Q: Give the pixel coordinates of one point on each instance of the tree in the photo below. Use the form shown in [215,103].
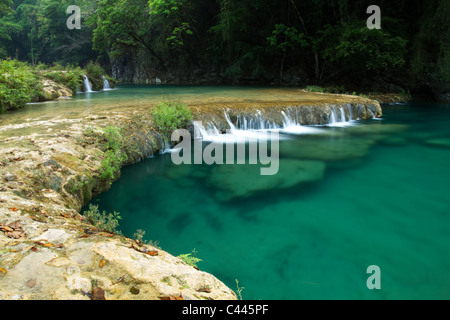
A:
[124,26]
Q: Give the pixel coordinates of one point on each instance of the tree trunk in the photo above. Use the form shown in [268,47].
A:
[316,57]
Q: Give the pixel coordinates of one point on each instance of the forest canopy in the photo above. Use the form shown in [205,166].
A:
[312,41]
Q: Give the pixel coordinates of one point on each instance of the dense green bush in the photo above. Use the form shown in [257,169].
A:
[114,157]
[18,85]
[170,116]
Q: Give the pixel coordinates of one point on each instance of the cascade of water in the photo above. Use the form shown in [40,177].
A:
[333,118]
[106,85]
[350,112]
[87,84]
[232,126]
[293,127]
[343,119]
[200,132]
[338,116]
[253,122]
[373,115]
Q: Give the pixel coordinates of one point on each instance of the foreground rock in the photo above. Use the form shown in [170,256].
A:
[48,170]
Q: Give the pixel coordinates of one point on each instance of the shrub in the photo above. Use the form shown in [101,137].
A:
[104,221]
[315,89]
[113,154]
[69,76]
[170,116]
[18,85]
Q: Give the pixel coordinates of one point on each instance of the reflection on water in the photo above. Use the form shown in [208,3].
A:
[375,193]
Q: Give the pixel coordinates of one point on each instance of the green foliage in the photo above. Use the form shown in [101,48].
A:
[238,39]
[190,258]
[170,116]
[285,38]
[105,221]
[139,237]
[68,76]
[5,6]
[315,89]
[357,49]
[164,6]
[18,85]
[114,157]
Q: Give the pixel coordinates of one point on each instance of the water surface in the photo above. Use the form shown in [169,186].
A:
[373,193]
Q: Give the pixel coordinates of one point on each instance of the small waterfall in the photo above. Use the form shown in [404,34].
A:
[232,126]
[106,85]
[293,127]
[253,122]
[343,119]
[87,84]
[350,111]
[338,116]
[208,133]
[333,118]
[373,115]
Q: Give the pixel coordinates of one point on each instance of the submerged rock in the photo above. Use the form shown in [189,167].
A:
[242,181]
[332,150]
[438,142]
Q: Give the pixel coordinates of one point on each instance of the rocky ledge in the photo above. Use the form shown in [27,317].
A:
[49,168]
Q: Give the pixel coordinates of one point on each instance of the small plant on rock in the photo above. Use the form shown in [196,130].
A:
[170,116]
[191,258]
[104,221]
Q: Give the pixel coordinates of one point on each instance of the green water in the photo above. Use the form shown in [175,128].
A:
[376,193]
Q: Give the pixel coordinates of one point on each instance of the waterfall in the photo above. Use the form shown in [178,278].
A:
[106,85]
[343,119]
[333,118]
[286,121]
[208,133]
[373,115]
[338,116]
[350,111]
[87,84]
[251,122]
[293,127]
